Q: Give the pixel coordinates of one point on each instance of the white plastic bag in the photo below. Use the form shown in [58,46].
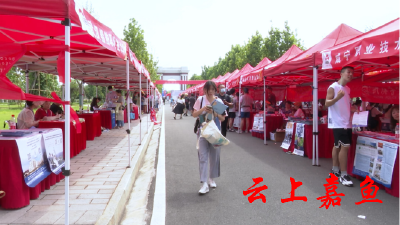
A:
[211,133]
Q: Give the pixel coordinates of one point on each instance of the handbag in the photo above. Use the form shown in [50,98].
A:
[211,133]
[197,123]
[132,116]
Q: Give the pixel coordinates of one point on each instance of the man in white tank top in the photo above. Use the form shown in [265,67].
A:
[339,106]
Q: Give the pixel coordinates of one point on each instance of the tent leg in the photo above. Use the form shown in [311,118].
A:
[96,91]
[265,123]
[240,110]
[148,105]
[140,108]
[128,110]
[67,24]
[315,117]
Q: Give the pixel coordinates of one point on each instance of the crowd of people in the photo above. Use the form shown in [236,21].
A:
[338,107]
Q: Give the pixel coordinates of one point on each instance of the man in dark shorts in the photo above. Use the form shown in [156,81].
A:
[228,102]
[186,104]
[338,102]
[232,111]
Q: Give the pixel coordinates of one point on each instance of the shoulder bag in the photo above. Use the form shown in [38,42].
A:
[197,123]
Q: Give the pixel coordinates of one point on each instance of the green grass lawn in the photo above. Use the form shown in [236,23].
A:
[7,110]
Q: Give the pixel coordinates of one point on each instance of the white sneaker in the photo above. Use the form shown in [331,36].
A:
[212,183]
[239,131]
[204,188]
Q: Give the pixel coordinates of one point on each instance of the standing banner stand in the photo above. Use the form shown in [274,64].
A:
[66,171]
[315,117]
[128,111]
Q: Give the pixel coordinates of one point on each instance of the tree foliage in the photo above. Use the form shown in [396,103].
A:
[273,46]
[134,36]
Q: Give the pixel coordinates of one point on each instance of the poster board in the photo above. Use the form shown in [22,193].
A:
[375,158]
[288,135]
[299,140]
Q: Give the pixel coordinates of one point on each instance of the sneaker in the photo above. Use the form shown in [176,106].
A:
[239,131]
[247,132]
[212,183]
[204,188]
[336,174]
[346,181]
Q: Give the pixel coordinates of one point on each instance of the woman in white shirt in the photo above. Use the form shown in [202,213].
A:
[26,118]
[207,152]
[299,111]
[179,106]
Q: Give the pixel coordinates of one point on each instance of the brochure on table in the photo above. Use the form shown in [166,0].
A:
[288,135]
[299,140]
[375,158]
[40,154]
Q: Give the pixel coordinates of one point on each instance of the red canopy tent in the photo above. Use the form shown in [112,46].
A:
[235,79]
[46,34]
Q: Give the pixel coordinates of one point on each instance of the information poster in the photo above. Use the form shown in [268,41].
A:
[376,159]
[299,140]
[53,142]
[32,155]
[288,135]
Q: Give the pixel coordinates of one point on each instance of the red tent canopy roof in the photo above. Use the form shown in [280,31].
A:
[341,34]
[233,81]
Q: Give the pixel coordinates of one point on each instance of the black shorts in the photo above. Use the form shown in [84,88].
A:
[342,137]
[232,115]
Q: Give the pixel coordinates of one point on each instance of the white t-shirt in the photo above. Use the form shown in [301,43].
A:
[339,113]
[180,101]
[145,101]
[234,101]
[299,113]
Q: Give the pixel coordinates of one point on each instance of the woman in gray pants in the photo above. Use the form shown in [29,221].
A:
[207,153]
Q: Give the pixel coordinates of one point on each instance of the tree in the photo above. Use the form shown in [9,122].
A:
[273,46]
[134,35]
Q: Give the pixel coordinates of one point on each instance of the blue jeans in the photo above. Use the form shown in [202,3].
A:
[120,123]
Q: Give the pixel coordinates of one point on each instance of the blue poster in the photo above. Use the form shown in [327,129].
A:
[34,162]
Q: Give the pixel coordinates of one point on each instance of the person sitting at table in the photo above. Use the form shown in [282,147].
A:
[269,108]
[299,110]
[26,118]
[94,105]
[56,109]
[394,119]
[288,109]
[45,111]
[373,116]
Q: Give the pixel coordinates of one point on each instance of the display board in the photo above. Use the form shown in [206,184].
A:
[299,140]
[288,135]
[376,159]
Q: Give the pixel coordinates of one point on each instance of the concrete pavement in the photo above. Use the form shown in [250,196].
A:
[246,158]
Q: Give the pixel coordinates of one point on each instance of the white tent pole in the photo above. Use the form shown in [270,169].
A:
[240,122]
[67,24]
[96,91]
[265,122]
[148,105]
[128,110]
[140,106]
[315,117]
[27,79]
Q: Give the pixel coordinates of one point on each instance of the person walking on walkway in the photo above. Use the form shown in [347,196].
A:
[207,153]
[246,102]
[338,102]
[192,100]
[233,110]
[226,99]
[179,106]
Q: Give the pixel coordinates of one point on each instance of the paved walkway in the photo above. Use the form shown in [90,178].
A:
[96,173]
[246,157]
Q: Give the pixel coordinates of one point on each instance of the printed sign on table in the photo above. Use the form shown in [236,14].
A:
[53,142]
[376,159]
[299,140]
[288,135]
[32,155]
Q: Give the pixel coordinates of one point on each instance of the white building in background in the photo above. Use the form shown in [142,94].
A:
[174,73]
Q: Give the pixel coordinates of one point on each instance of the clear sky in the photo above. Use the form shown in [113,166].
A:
[196,33]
